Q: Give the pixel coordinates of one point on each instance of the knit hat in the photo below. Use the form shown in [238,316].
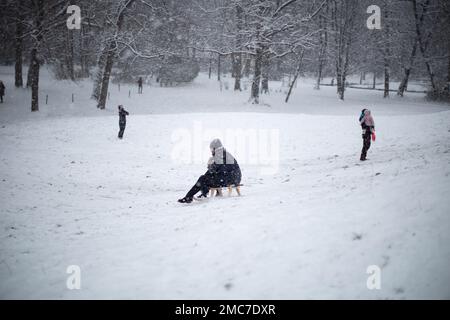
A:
[215,144]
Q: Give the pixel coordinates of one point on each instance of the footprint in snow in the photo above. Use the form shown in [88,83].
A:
[399,290]
[357,236]
[228,286]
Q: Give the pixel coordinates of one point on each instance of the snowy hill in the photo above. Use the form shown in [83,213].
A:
[72,194]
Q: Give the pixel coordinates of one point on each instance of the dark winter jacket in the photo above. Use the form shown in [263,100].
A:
[2,89]
[223,166]
[123,116]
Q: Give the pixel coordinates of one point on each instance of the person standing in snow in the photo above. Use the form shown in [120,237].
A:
[223,170]
[140,85]
[2,91]
[368,128]
[122,120]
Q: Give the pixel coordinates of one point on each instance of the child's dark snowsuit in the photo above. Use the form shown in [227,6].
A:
[366,144]
[368,126]
[2,91]
[122,121]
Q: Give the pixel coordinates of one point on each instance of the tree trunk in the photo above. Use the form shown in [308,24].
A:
[29,74]
[265,72]
[297,72]
[18,54]
[341,88]
[233,65]
[386,51]
[218,66]
[34,63]
[386,78]
[238,56]
[319,76]
[247,66]
[422,46]
[256,76]
[34,78]
[109,57]
[343,27]
[323,47]
[448,74]
[407,71]
[86,29]
[338,81]
[106,76]
[98,76]
[374,83]
[431,75]
[83,57]
[237,76]
[69,55]
[210,68]
[348,44]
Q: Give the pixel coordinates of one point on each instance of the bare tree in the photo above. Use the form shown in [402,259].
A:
[323,45]
[418,22]
[297,73]
[386,49]
[18,81]
[37,35]
[237,57]
[108,55]
[343,17]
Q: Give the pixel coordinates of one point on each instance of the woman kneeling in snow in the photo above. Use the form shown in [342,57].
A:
[223,171]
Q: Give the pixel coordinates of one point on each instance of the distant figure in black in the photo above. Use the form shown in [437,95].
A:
[2,91]
[140,85]
[223,171]
[368,131]
[122,120]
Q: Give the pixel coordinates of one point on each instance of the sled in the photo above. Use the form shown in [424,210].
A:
[218,191]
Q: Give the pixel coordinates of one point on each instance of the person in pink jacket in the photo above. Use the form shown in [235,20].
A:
[368,131]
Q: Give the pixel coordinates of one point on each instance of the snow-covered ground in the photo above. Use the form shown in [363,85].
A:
[71,193]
